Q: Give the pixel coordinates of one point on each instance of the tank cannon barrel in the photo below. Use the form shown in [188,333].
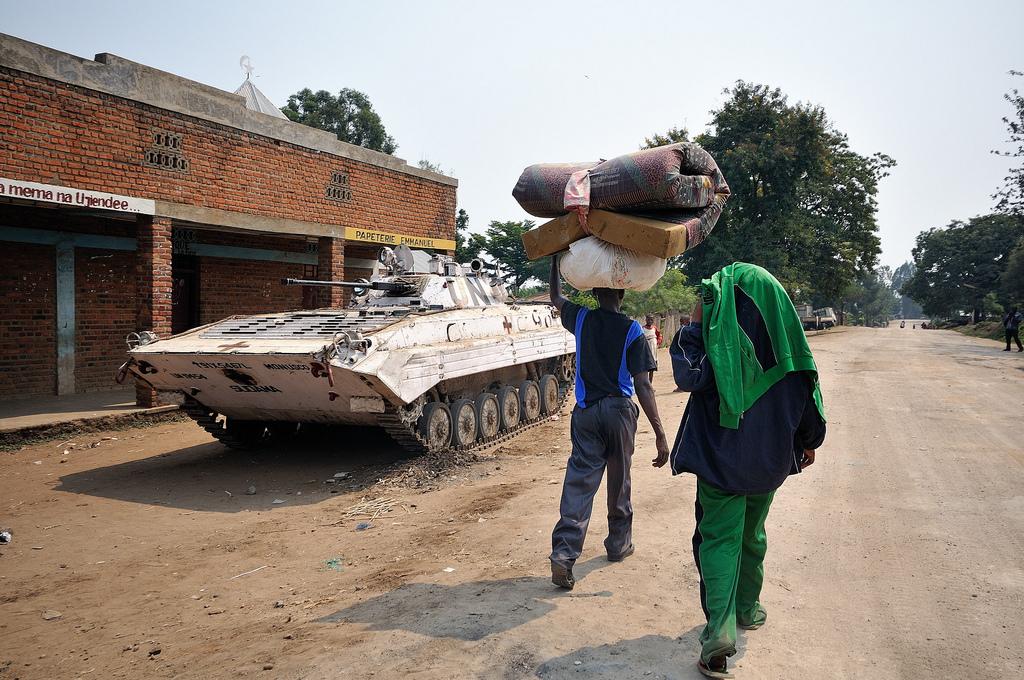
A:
[372,285]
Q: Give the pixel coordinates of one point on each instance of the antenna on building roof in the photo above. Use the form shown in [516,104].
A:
[246,65]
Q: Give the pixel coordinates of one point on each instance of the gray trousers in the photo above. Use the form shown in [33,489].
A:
[602,436]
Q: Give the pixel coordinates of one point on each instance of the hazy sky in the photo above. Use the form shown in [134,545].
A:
[485,89]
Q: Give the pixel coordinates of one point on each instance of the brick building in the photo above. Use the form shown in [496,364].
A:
[133,199]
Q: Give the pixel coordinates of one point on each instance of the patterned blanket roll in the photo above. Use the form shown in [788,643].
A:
[668,177]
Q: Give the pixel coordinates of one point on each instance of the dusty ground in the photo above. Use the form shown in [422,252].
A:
[900,554]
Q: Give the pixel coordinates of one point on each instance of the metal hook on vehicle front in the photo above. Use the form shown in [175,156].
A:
[122,372]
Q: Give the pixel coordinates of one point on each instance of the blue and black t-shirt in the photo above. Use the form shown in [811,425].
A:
[610,350]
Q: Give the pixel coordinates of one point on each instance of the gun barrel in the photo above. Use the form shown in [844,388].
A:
[310,282]
[375,285]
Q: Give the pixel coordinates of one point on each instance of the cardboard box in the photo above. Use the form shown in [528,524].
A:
[668,234]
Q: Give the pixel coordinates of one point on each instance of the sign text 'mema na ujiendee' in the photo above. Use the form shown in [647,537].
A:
[49,193]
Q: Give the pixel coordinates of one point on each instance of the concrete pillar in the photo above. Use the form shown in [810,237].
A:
[65,318]
[331,267]
[153,286]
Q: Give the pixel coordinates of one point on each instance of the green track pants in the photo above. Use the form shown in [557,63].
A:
[729,545]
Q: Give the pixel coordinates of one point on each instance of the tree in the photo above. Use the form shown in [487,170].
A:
[671,137]
[871,299]
[463,243]
[350,116]
[1011,281]
[958,265]
[1010,198]
[909,309]
[669,294]
[503,244]
[803,203]
[424,164]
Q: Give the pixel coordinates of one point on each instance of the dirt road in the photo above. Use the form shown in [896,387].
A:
[900,554]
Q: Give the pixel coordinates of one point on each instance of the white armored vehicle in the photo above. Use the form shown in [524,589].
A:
[431,350]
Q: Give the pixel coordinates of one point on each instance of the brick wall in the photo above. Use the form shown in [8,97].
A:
[61,134]
[229,287]
[104,315]
[28,308]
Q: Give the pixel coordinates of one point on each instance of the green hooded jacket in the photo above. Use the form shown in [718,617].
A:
[738,374]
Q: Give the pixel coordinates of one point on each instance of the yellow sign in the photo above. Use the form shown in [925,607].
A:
[387,238]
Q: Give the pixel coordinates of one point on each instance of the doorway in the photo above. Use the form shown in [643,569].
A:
[185,295]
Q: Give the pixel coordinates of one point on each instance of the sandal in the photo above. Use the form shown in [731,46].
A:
[715,667]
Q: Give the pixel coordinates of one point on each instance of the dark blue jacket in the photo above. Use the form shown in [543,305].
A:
[757,457]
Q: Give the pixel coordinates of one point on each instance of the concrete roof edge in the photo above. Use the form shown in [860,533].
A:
[215,217]
[127,79]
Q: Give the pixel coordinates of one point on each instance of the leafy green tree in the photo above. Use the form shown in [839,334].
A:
[1011,282]
[871,299]
[669,294]
[464,251]
[1010,198]
[990,305]
[803,203]
[584,298]
[424,164]
[958,265]
[503,244]
[671,137]
[909,309]
[349,115]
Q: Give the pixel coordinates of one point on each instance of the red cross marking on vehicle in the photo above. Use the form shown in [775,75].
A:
[508,325]
[238,345]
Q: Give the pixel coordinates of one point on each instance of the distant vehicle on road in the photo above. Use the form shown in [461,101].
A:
[816,319]
[826,317]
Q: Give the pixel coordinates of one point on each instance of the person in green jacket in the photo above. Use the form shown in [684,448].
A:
[754,417]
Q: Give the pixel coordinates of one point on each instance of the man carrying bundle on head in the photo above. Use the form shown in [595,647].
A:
[613,360]
[754,417]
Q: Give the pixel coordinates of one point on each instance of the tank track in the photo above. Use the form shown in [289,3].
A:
[207,419]
[405,432]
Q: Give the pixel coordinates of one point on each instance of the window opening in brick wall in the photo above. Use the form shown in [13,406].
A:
[165,152]
[338,188]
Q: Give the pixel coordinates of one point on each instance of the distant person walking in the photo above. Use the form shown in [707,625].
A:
[613,362]
[653,335]
[754,417]
[1011,323]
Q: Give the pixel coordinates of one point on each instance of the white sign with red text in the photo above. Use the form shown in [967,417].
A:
[79,198]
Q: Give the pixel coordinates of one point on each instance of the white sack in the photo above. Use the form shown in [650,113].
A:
[593,263]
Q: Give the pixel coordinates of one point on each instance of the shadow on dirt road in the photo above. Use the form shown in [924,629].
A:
[466,611]
[656,656]
[212,478]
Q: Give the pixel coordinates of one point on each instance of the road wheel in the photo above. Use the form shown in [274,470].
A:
[488,416]
[529,400]
[465,430]
[548,394]
[508,407]
[436,426]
